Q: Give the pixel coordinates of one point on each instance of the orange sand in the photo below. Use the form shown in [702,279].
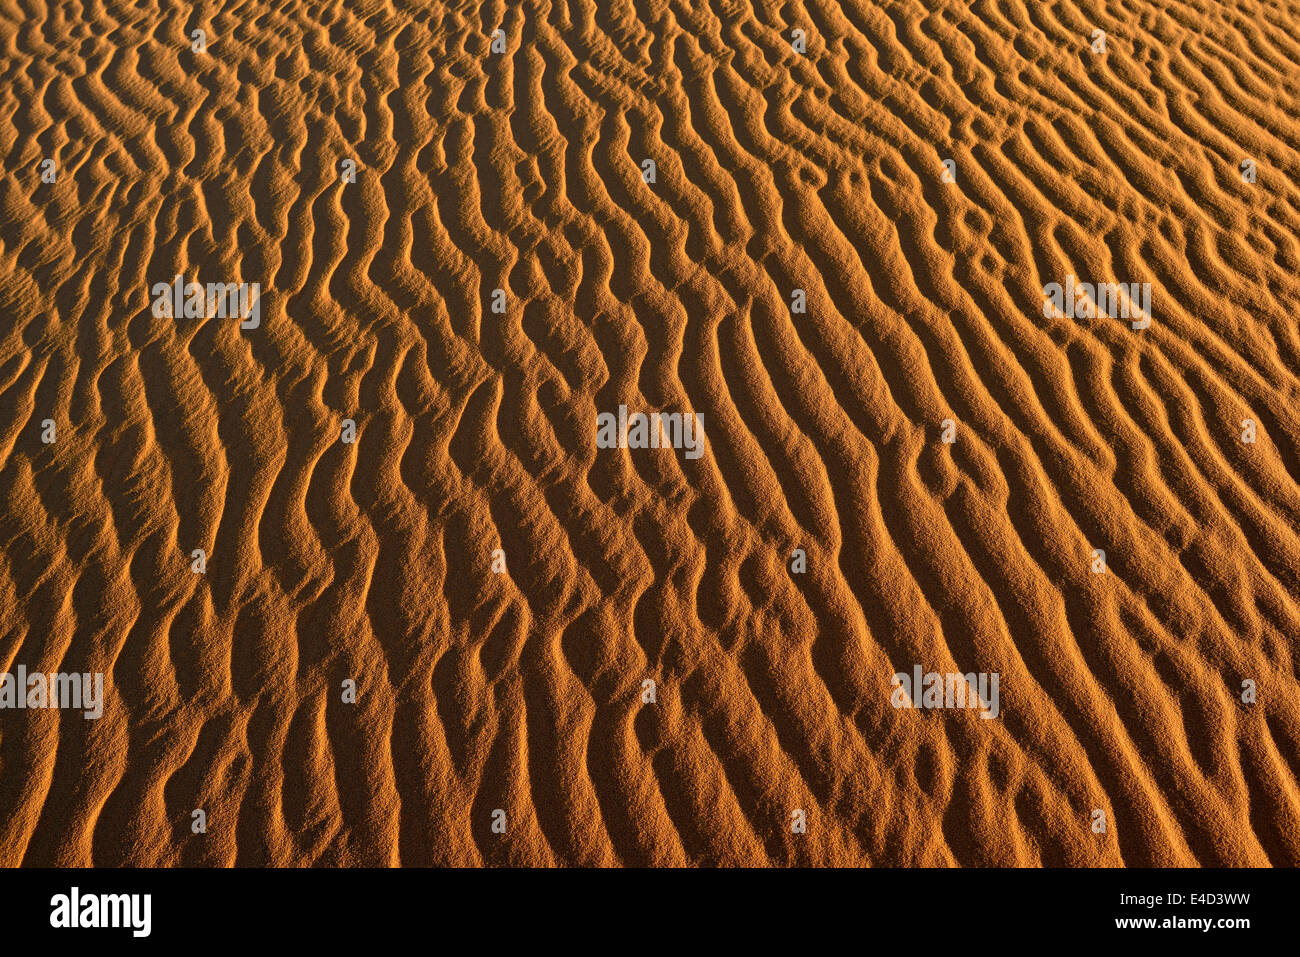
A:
[476,431]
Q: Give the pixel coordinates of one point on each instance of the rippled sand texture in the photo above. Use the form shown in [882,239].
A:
[477,431]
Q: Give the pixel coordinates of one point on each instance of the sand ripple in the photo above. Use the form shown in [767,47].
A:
[775,171]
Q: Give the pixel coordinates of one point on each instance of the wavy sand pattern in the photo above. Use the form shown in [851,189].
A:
[775,170]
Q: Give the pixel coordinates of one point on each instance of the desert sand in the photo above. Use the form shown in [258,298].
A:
[364,589]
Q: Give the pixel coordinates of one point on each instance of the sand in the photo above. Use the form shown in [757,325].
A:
[181,509]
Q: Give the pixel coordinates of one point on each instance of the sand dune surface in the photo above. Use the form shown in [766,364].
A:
[972,335]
